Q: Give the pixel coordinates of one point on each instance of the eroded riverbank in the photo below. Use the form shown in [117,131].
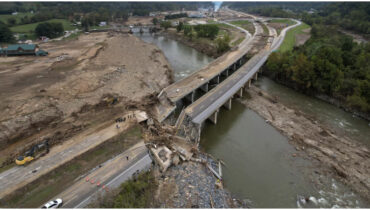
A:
[340,156]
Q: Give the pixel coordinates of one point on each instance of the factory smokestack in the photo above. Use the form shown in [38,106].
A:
[217,5]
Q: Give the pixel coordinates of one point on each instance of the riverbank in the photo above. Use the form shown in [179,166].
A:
[339,156]
[328,99]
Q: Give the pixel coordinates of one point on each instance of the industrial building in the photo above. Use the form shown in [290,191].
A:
[22,49]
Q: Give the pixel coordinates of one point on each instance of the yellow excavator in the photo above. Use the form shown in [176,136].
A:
[33,153]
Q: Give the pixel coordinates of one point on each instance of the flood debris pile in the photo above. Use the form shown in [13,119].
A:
[339,156]
[186,177]
[191,185]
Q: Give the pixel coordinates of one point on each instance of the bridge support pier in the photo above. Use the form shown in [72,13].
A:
[227,105]
[205,87]
[190,97]
[216,80]
[255,76]
[248,85]
[240,93]
[213,117]
[225,73]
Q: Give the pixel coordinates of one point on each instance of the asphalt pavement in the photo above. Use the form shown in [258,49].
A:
[214,99]
[107,176]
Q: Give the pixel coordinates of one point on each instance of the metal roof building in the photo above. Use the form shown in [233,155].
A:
[20,49]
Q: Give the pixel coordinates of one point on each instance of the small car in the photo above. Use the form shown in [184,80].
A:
[53,204]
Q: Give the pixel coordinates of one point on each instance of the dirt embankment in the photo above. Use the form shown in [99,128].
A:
[74,87]
[345,159]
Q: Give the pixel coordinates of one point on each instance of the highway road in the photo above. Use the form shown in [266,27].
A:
[181,88]
[214,99]
[19,176]
[107,176]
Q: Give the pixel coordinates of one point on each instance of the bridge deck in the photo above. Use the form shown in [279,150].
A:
[201,109]
[181,88]
[214,99]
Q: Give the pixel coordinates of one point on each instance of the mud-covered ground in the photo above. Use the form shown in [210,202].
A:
[73,88]
[340,156]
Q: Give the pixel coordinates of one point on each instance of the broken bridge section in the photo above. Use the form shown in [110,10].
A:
[207,107]
[186,91]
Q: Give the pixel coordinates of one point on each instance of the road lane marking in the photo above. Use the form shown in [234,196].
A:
[78,206]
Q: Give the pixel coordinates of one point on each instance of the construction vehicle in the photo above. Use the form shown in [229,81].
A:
[33,153]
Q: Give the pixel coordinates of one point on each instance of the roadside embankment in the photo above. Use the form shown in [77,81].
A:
[339,156]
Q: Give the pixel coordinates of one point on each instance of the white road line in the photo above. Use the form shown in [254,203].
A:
[88,198]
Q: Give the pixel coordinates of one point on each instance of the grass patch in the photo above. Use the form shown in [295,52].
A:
[46,187]
[32,26]
[29,29]
[18,17]
[135,193]
[289,41]
[286,21]
[237,42]
[265,29]
[283,24]
[247,25]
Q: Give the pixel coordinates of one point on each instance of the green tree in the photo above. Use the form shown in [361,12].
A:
[50,30]
[188,30]
[6,35]
[180,27]
[155,21]
[207,30]
[165,24]
[223,44]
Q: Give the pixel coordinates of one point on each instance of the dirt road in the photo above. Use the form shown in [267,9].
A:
[65,92]
[347,160]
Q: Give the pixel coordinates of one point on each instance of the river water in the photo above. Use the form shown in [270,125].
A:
[260,167]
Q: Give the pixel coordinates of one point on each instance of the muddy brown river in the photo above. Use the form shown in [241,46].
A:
[260,168]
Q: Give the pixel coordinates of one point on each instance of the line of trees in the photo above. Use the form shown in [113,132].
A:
[6,35]
[348,15]
[175,16]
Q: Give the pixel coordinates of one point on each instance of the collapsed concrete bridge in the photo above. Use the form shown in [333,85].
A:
[206,91]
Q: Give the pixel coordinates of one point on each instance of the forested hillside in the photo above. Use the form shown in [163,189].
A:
[347,15]
[329,63]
